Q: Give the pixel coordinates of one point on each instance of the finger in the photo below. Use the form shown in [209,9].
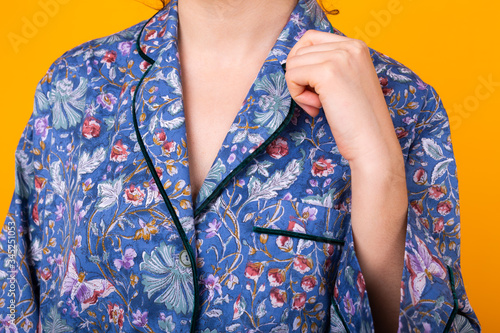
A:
[309,101]
[340,57]
[300,82]
[352,46]
[312,37]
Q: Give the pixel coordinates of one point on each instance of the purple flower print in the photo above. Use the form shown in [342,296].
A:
[421,85]
[127,260]
[213,228]
[60,211]
[212,284]
[309,213]
[106,101]
[41,125]
[125,47]
[231,158]
[140,318]
[79,212]
[349,305]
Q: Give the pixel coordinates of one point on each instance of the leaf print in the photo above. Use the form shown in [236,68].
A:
[336,325]
[279,180]
[397,77]
[325,200]
[108,193]
[55,324]
[174,82]
[239,307]
[41,101]
[462,325]
[240,136]
[88,163]
[215,173]
[440,169]
[260,168]
[172,124]
[67,104]
[25,177]
[167,324]
[58,184]
[171,278]
[432,149]
[283,328]
[275,103]
[261,309]
[214,313]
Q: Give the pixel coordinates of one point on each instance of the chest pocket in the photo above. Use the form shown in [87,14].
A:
[295,249]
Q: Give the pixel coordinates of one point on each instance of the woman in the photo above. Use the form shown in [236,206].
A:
[333,181]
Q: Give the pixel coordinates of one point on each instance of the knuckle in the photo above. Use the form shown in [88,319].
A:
[359,46]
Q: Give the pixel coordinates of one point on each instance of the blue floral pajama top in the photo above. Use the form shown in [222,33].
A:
[102,234]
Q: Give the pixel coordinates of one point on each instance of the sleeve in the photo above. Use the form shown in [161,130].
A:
[20,234]
[433,297]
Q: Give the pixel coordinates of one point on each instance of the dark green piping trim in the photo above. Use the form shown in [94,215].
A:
[455,301]
[337,310]
[247,160]
[280,232]
[138,43]
[164,195]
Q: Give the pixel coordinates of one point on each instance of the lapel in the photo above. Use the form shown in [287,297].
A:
[160,113]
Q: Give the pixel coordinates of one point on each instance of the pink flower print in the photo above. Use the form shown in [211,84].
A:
[134,195]
[444,207]
[322,167]
[420,176]
[436,192]
[276,277]
[119,152]
[299,301]
[302,264]
[308,282]
[278,297]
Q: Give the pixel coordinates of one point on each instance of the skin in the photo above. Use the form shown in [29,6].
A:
[323,70]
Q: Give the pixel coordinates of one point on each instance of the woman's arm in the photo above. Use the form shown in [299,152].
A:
[337,73]
[378,215]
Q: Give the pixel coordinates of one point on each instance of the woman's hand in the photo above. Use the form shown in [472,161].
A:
[337,73]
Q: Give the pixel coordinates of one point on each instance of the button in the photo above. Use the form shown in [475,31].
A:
[184,258]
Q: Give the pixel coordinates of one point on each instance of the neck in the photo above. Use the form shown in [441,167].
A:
[235,29]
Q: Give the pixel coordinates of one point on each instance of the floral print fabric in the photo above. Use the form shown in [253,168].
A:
[102,234]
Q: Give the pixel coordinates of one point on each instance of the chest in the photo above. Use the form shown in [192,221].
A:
[212,98]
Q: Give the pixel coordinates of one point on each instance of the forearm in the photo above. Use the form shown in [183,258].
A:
[378,215]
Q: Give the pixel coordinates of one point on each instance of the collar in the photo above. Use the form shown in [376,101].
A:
[160,109]
[162,28]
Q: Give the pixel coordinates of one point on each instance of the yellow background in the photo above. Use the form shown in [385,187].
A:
[454,46]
